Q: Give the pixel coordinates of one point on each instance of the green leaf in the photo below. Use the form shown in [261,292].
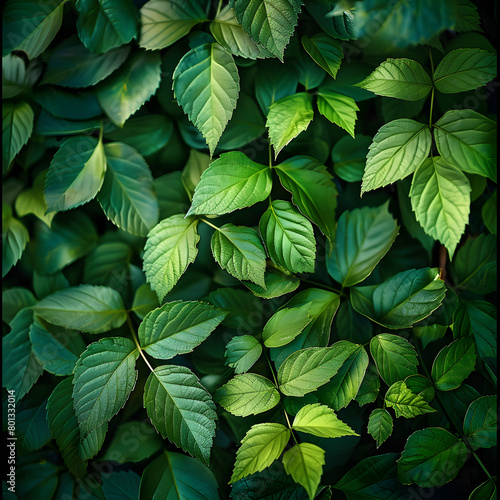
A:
[169,249]
[370,386]
[122,94]
[453,364]
[338,23]
[464,69]
[127,195]
[475,265]
[489,213]
[32,427]
[277,284]
[17,127]
[145,300]
[467,140]
[47,125]
[20,367]
[13,75]
[172,197]
[380,425]
[400,78]
[349,157]
[76,173]
[307,369]
[270,24]
[177,477]
[394,357]
[432,457]
[362,238]
[321,421]
[304,462]
[239,251]
[104,25]
[325,51]
[163,22]
[57,349]
[247,394]
[344,385]
[231,35]
[289,237]
[87,308]
[287,118]
[242,352]
[178,327]
[32,201]
[15,237]
[285,325]
[206,85]
[440,198]
[480,423]
[262,444]
[339,109]
[72,65]
[120,485]
[406,403]
[401,300]
[30,25]
[421,385]
[231,183]
[104,377]
[397,150]
[485,491]
[181,409]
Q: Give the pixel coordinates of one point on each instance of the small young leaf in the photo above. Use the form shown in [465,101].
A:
[405,403]
[104,377]
[304,462]
[169,249]
[325,51]
[380,425]
[285,325]
[262,444]
[247,394]
[15,238]
[339,109]
[242,352]
[181,409]
[480,423]
[178,327]
[321,421]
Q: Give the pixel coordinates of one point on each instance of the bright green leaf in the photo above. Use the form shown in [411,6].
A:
[406,403]
[285,325]
[339,109]
[242,352]
[277,284]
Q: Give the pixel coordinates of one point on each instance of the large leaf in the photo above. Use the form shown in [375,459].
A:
[178,327]
[231,183]
[206,85]
[304,462]
[475,265]
[313,189]
[247,394]
[380,425]
[339,109]
[181,409]
[406,403]
[105,24]
[394,357]
[307,369]
[163,22]
[287,118]
[467,140]
[440,198]
[289,237]
[30,25]
[242,352]
[127,195]
[104,377]
[401,300]
[397,150]
[122,94]
[480,423]
[239,250]
[177,477]
[464,69]
[92,309]
[453,364]
[76,173]
[169,249]
[270,24]
[285,325]
[399,78]
[20,368]
[321,421]
[362,238]
[72,65]
[17,126]
[431,458]
[231,35]
[262,444]
[325,51]
[15,237]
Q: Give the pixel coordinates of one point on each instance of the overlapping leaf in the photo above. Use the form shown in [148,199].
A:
[325,51]
[285,325]
[17,127]
[406,403]
[242,352]
[380,425]
[15,238]
[339,109]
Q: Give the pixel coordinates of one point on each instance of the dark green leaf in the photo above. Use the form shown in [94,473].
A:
[17,126]
[277,284]
[480,423]
[121,485]
[325,51]
[15,237]
[349,157]
[380,425]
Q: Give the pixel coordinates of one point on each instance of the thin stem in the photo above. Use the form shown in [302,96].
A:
[290,426]
[321,285]
[433,88]
[271,368]
[209,224]
[136,342]
[270,155]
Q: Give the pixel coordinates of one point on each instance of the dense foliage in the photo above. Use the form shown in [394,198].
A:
[249,249]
